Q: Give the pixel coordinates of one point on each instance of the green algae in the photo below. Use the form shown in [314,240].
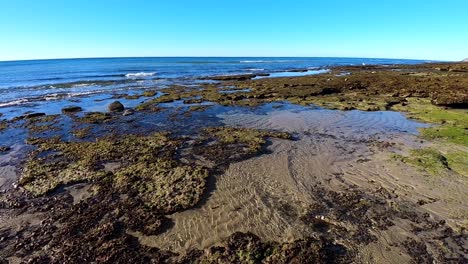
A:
[198,108]
[149,167]
[254,139]
[449,134]
[423,109]
[164,185]
[428,159]
[68,162]
[149,93]
[3,125]
[452,134]
[95,118]
[81,132]
[458,161]
[376,103]
[42,123]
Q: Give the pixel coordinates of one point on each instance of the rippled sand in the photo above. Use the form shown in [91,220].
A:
[335,150]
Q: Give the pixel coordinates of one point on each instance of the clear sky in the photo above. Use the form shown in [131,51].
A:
[420,29]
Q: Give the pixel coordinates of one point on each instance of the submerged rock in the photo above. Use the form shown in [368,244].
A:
[4,149]
[116,107]
[29,115]
[71,109]
[238,77]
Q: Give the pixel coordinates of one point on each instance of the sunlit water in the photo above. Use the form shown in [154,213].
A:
[48,85]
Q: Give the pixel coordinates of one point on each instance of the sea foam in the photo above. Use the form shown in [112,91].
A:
[139,74]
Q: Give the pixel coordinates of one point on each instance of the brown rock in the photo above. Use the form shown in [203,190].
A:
[71,109]
[116,107]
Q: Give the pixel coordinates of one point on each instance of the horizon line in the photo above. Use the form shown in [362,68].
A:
[136,57]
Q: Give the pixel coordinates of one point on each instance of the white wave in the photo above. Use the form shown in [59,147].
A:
[15,102]
[254,61]
[55,96]
[140,74]
[255,69]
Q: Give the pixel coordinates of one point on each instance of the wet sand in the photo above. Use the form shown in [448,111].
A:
[336,151]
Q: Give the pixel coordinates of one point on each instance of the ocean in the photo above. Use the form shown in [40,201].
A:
[48,85]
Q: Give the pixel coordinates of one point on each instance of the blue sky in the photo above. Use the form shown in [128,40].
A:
[34,29]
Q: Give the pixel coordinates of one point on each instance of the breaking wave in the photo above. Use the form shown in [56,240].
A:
[140,74]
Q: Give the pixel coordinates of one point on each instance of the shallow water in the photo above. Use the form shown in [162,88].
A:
[266,194]
[34,84]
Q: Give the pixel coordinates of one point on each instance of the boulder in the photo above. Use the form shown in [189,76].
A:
[32,115]
[116,107]
[456,100]
[71,109]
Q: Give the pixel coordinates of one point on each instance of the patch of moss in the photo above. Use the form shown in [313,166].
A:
[42,123]
[3,125]
[428,159]
[56,163]
[198,108]
[149,93]
[453,134]
[458,161]
[254,139]
[95,118]
[132,97]
[363,103]
[452,128]
[163,184]
[424,110]
[81,132]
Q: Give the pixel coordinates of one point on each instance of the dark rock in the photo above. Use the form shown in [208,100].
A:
[193,101]
[116,107]
[298,70]
[460,101]
[32,115]
[262,74]
[71,109]
[328,90]
[239,77]
[4,149]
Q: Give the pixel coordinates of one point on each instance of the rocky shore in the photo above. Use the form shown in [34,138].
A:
[118,186]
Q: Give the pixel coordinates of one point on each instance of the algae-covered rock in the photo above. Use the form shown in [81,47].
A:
[95,118]
[71,109]
[81,132]
[249,248]
[3,125]
[149,169]
[116,107]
